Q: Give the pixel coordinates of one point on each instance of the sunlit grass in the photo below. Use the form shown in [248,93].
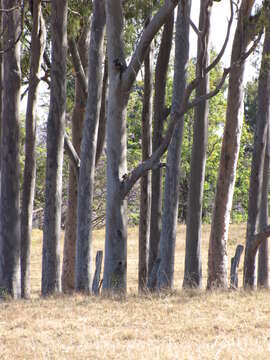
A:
[181,325]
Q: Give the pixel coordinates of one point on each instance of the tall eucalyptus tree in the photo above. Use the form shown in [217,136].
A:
[55,145]
[159,113]
[258,159]
[83,271]
[193,267]
[121,79]
[78,52]
[170,211]
[263,276]
[10,171]
[145,196]
[38,42]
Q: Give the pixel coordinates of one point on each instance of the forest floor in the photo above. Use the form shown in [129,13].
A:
[181,325]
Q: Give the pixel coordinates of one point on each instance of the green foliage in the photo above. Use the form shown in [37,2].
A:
[251,102]
[240,200]
[78,15]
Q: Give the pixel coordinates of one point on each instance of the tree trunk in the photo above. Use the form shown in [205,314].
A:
[193,264]
[38,41]
[83,270]
[116,207]
[217,253]
[145,201]
[68,268]
[256,176]
[1,88]
[102,114]
[55,144]
[121,79]
[10,184]
[158,124]
[170,211]
[263,249]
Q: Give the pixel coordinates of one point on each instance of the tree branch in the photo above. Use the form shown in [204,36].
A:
[10,9]
[72,154]
[9,47]
[194,27]
[129,75]
[152,161]
[46,60]
[76,60]
[224,46]
[260,238]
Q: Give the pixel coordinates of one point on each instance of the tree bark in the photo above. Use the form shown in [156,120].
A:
[158,125]
[83,263]
[263,221]
[217,253]
[68,267]
[38,41]
[193,264]
[10,172]
[55,144]
[256,177]
[170,211]
[145,197]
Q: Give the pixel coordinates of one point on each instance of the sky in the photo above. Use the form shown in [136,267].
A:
[219,22]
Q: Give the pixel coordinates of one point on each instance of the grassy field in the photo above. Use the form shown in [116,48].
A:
[182,325]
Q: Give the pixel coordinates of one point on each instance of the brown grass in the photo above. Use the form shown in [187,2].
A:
[182,325]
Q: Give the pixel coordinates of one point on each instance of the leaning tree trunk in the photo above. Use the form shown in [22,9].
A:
[158,125]
[83,271]
[217,252]
[38,41]
[145,197]
[55,144]
[263,222]
[193,264]
[256,176]
[170,211]
[68,267]
[10,184]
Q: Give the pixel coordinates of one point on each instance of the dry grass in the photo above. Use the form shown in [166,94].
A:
[182,325]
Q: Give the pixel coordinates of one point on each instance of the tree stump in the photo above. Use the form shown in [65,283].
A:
[96,281]
[234,266]
[152,280]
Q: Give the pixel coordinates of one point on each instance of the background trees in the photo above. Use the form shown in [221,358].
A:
[192,189]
